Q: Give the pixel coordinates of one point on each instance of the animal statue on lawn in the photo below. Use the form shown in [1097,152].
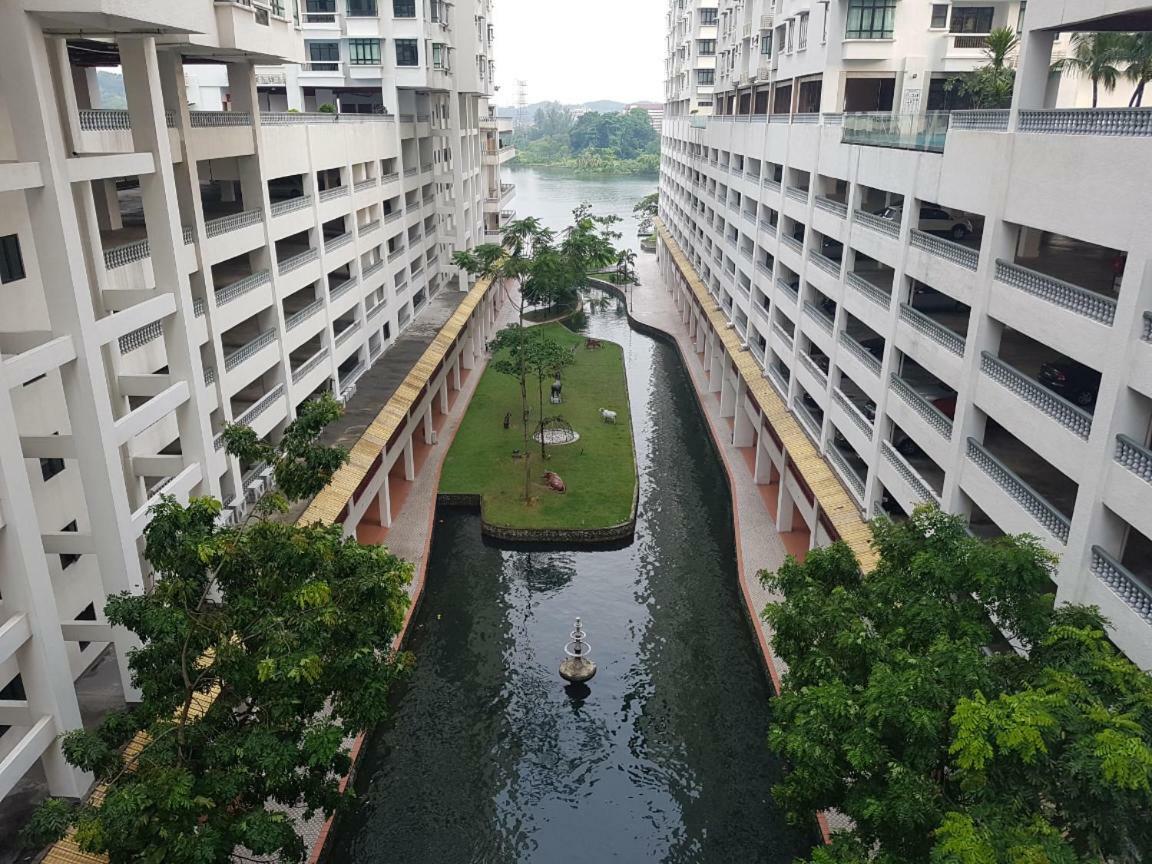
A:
[607,416]
[554,482]
[557,387]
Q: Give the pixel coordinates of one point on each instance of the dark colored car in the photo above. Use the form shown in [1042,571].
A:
[1074,381]
[942,399]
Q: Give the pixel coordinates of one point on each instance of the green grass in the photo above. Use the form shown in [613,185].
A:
[599,469]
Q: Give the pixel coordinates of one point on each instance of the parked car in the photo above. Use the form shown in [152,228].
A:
[927,299]
[866,407]
[943,399]
[935,220]
[1074,381]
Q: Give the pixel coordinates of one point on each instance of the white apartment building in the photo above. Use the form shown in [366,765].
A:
[992,353]
[164,271]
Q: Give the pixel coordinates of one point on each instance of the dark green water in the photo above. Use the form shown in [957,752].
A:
[489,759]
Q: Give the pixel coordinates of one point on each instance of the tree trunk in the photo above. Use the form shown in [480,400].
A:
[540,421]
[527,439]
[1095,91]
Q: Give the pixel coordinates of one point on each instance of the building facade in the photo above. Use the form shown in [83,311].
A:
[204,255]
[954,307]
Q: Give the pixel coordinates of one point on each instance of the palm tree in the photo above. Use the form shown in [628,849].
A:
[1094,55]
[999,45]
[1136,51]
[626,265]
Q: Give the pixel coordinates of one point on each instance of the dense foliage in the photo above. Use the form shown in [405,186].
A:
[894,713]
[263,649]
[620,143]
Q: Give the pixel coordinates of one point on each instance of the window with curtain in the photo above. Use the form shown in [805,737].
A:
[407,53]
[364,52]
[870,19]
[971,19]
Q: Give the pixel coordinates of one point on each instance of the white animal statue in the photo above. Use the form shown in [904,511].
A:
[607,416]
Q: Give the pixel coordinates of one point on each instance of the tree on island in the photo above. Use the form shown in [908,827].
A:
[894,712]
[546,359]
[648,206]
[263,648]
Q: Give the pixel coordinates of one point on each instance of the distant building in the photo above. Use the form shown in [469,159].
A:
[655,112]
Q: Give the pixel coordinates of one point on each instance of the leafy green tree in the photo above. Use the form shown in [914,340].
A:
[991,85]
[626,266]
[546,359]
[894,712]
[510,351]
[1136,52]
[263,649]
[1095,55]
[649,205]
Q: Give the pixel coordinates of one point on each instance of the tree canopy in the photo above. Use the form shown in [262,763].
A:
[621,142]
[263,649]
[895,712]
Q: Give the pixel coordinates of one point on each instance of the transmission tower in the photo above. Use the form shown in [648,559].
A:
[521,103]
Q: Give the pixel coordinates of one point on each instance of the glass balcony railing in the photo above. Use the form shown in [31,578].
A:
[925,132]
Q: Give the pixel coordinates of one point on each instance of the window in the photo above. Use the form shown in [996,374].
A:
[67,559]
[324,56]
[88,613]
[790,30]
[705,77]
[11,261]
[320,11]
[404,8]
[802,34]
[766,45]
[361,8]
[49,468]
[406,53]
[706,47]
[971,19]
[870,19]
[439,55]
[707,17]
[939,16]
[1020,16]
[364,52]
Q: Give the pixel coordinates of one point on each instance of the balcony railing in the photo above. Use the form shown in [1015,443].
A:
[1125,122]
[297,318]
[767,227]
[120,256]
[938,333]
[811,365]
[343,288]
[1135,457]
[910,475]
[789,290]
[335,192]
[141,336]
[209,119]
[826,323]
[394,215]
[291,118]
[259,407]
[245,351]
[771,185]
[807,421]
[346,334]
[872,292]
[783,334]
[232,222]
[377,308]
[241,287]
[778,380]
[937,420]
[847,474]
[828,265]
[829,205]
[963,255]
[988,120]
[792,243]
[1123,583]
[290,205]
[297,261]
[336,242]
[1065,294]
[926,132]
[878,223]
[861,422]
[1033,503]
[1072,417]
[114,119]
[372,268]
[368,227]
[860,353]
[796,194]
[369,183]
[310,364]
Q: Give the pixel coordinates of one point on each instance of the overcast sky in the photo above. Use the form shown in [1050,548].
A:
[577,52]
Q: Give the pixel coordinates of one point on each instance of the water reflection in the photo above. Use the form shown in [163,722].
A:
[490,758]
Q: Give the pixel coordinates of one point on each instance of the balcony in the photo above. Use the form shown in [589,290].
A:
[249,350]
[1025,496]
[916,489]
[1123,582]
[1082,301]
[1072,417]
[499,155]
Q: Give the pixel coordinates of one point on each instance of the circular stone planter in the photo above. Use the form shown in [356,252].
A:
[557,437]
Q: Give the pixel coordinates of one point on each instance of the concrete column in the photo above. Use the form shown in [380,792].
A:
[409,461]
[143,90]
[456,374]
[429,427]
[444,396]
[727,393]
[743,429]
[384,502]
[27,589]
[786,509]
[1032,73]
[107,205]
[29,95]
[715,369]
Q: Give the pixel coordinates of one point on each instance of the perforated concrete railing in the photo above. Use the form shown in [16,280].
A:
[1072,417]
[1052,519]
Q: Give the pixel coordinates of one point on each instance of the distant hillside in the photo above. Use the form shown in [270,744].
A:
[604,106]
